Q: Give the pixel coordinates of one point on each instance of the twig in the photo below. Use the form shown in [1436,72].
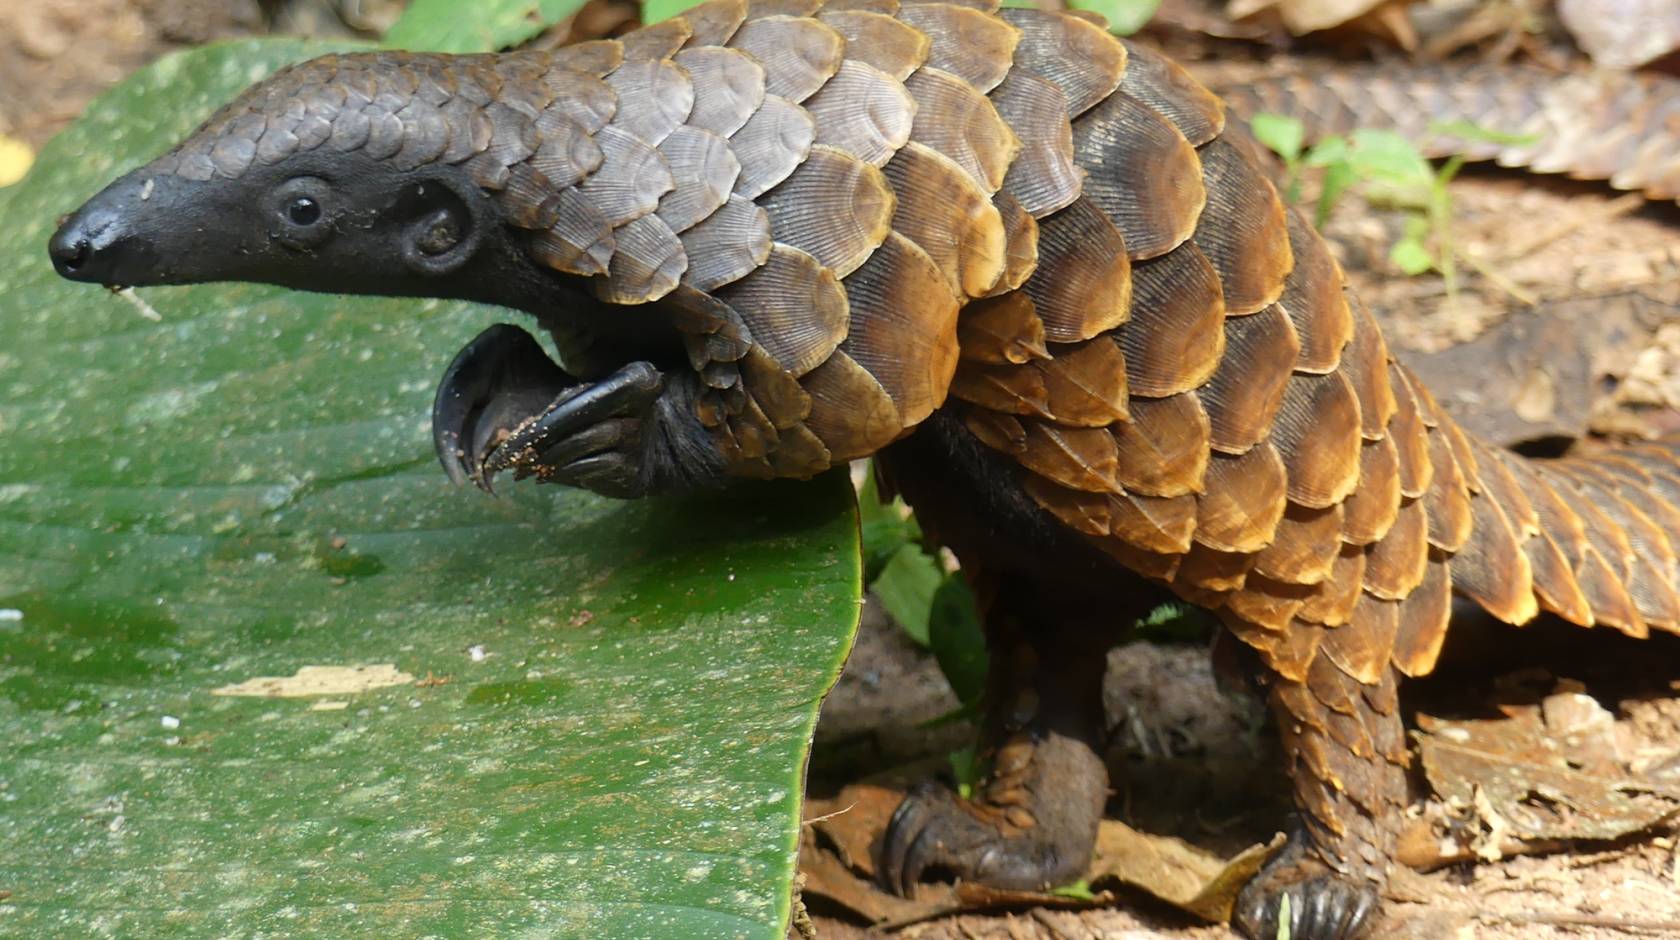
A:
[827,816]
[1615,208]
[1524,296]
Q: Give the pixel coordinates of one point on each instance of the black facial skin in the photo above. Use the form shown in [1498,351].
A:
[337,223]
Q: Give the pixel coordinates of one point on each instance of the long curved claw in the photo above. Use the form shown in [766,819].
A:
[1322,904]
[581,423]
[493,385]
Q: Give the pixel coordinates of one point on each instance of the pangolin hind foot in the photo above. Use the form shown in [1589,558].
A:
[1027,260]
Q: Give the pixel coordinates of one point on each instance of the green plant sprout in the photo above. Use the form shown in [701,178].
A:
[1392,173]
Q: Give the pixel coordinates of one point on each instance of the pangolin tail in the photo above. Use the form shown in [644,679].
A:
[1615,126]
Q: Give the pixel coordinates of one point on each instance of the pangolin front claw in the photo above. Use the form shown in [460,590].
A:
[504,405]
[496,383]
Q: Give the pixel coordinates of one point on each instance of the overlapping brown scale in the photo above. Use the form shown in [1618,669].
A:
[1003,330]
[1289,653]
[1241,501]
[646,265]
[1316,431]
[1315,300]
[1006,388]
[1020,237]
[1411,438]
[1647,582]
[961,123]
[1395,564]
[1211,572]
[1085,62]
[1372,506]
[1165,86]
[984,6]
[1305,547]
[940,208]
[1339,591]
[656,41]
[850,412]
[1269,603]
[1448,500]
[1365,365]
[834,206]
[1082,285]
[885,7]
[1640,486]
[778,393]
[798,54]
[1085,385]
[705,170]
[425,137]
[577,97]
[1043,176]
[904,326]
[566,154]
[1361,648]
[971,44]
[712,332]
[1245,391]
[863,111]
[1564,528]
[878,39]
[1078,458]
[713,22]
[595,57]
[757,9]
[1163,446]
[630,180]
[1154,523]
[774,141]
[998,431]
[1083,512]
[1424,616]
[580,241]
[728,87]
[525,199]
[1491,567]
[793,306]
[1176,334]
[654,98]
[726,246]
[1242,229]
[1142,172]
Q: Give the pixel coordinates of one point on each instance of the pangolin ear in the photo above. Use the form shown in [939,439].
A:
[441,226]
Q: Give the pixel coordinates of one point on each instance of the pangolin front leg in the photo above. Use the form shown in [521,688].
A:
[504,405]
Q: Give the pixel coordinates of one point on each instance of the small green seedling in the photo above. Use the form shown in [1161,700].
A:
[1391,171]
[1079,891]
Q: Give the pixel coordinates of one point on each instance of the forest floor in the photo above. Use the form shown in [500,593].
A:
[1594,346]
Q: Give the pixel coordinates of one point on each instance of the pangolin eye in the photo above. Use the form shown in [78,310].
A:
[303,211]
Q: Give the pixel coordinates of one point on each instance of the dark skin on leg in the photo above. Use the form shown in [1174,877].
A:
[1053,608]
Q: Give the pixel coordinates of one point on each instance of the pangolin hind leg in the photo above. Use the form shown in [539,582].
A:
[1345,748]
[1053,607]
[1032,821]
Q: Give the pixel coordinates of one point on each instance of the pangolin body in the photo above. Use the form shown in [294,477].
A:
[858,213]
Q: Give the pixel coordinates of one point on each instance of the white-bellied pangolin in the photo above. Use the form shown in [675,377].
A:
[1025,263]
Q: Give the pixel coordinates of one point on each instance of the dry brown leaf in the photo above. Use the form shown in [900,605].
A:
[1622,34]
[838,860]
[1175,871]
[1536,778]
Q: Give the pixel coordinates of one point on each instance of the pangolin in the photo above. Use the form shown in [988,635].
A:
[1030,267]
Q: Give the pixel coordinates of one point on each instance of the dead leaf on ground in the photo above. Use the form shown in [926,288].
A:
[1175,871]
[837,856]
[1381,17]
[1622,34]
[1543,773]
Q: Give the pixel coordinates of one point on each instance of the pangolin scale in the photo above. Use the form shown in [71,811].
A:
[1046,250]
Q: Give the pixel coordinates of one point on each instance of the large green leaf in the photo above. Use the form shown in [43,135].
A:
[479,26]
[613,739]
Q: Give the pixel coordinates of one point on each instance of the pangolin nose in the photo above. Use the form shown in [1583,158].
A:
[71,250]
[83,247]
